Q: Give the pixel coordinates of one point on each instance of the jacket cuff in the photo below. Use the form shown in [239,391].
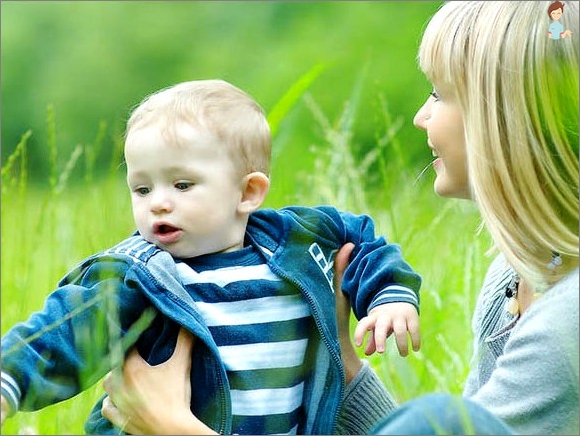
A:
[366,401]
[395,294]
[11,392]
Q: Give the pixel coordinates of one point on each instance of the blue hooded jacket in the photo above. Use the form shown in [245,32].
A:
[131,294]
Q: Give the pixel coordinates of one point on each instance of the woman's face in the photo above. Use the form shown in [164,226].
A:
[441,117]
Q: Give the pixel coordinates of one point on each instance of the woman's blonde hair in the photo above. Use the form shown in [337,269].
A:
[518,91]
[218,108]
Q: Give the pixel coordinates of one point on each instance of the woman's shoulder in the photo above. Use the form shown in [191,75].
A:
[538,369]
[560,302]
[552,320]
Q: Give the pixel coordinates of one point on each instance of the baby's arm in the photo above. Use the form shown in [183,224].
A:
[65,347]
[399,318]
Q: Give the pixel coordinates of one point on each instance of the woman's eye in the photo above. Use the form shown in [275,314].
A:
[182,186]
[434,95]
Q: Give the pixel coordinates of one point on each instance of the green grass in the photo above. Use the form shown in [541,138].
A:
[47,229]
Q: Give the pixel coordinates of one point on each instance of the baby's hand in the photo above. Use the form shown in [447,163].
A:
[382,321]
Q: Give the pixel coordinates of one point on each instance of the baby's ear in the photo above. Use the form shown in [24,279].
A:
[255,187]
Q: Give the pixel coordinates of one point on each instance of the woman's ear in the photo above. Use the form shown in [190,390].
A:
[255,187]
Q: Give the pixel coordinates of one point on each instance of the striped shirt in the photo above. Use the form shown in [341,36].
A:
[261,325]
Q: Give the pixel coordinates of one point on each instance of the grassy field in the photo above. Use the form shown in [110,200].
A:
[46,230]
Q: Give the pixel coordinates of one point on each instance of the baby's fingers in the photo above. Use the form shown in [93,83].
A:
[401,337]
[371,345]
[364,325]
[414,331]
[383,329]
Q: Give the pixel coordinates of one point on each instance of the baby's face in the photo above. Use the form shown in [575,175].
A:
[185,191]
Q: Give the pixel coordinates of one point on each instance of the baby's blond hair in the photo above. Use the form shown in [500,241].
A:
[219,108]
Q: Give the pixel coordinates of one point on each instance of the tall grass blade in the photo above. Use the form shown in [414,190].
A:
[12,177]
[289,99]
[52,147]
[69,167]
[92,151]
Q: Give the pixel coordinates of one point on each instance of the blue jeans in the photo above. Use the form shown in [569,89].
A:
[441,414]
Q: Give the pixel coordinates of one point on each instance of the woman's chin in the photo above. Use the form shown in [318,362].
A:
[447,190]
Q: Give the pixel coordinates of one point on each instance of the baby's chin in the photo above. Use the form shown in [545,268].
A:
[172,250]
[181,253]
[181,250]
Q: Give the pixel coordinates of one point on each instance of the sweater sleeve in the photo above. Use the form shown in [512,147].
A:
[366,401]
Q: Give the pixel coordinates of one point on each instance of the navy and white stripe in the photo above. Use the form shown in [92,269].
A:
[261,326]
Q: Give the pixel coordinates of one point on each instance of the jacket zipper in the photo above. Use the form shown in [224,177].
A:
[316,317]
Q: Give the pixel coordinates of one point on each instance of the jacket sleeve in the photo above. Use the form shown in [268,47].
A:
[74,340]
[377,272]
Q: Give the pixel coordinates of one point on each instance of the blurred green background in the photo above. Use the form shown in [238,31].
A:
[71,72]
[347,140]
[94,60]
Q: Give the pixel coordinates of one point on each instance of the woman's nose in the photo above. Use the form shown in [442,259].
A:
[422,116]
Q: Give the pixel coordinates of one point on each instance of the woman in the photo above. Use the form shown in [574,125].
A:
[502,122]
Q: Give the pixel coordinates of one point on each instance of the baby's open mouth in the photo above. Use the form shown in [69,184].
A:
[163,229]
[166,233]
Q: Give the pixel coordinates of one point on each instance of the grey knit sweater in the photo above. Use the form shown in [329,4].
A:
[366,401]
[525,369]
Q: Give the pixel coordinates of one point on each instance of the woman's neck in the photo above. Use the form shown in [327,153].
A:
[525,296]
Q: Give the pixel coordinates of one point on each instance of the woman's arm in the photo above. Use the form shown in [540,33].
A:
[352,363]
[366,399]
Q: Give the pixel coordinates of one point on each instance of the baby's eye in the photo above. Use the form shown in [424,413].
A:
[182,186]
[142,190]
